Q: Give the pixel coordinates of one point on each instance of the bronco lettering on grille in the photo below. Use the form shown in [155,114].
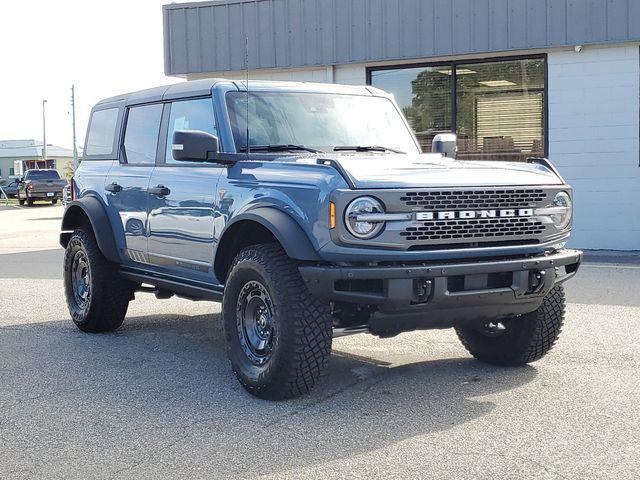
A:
[467,214]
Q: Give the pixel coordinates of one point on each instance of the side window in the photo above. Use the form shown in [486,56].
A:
[141,134]
[102,131]
[189,115]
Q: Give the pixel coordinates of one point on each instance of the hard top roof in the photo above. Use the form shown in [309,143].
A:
[203,87]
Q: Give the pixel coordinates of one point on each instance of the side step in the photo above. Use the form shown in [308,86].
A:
[346,331]
[165,286]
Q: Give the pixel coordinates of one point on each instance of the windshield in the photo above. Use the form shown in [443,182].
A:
[317,121]
[43,175]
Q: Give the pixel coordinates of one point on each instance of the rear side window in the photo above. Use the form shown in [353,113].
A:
[141,134]
[102,131]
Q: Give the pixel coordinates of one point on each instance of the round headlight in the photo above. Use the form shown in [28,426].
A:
[363,228]
[562,218]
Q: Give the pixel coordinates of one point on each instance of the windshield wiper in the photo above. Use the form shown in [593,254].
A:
[365,148]
[279,148]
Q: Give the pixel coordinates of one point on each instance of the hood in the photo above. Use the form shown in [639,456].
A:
[371,171]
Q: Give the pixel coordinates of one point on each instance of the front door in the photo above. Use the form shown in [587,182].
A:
[128,180]
[182,196]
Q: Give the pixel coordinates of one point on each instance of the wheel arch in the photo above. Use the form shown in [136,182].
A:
[90,211]
[261,225]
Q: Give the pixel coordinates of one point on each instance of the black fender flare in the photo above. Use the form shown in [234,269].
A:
[93,209]
[282,226]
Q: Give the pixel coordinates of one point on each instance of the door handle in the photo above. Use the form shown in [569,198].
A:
[113,188]
[160,191]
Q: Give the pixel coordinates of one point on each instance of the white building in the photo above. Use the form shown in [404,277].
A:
[30,152]
[515,79]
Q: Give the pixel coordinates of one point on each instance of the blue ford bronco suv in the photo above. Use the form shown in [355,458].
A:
[310,212]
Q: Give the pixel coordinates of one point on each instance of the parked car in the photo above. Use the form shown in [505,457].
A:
[321,219]
[40,185]
[11,189]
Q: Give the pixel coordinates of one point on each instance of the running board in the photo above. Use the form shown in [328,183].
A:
[346,331]
[181,289]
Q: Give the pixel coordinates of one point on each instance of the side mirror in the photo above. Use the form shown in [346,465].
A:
[194,146]
[445,144]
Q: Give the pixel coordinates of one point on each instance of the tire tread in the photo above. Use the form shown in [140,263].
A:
[535,335]
[110,293]
[307,355]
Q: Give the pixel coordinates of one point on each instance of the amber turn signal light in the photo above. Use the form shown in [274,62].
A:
[332,215]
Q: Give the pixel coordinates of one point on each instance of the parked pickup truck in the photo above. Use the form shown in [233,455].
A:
[40,185]
[310,212]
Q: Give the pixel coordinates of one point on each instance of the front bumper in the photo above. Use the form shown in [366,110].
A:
[451,293]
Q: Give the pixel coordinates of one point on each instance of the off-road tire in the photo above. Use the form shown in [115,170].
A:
[107,304]
[21,202]
[527,338]
[303,326]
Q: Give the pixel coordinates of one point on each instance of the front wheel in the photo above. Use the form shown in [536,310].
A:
[278,335]
[518,340]
[97,296]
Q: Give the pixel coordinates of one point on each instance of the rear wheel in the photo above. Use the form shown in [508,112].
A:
[278,335]
[518,340]
[97,296]
[30,202]
[21,201]
[54,201]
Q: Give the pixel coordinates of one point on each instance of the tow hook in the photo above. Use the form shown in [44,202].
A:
[422,290]
[536,281]
[493,329]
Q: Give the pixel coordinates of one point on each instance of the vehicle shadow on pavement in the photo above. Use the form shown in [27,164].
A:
[159,396]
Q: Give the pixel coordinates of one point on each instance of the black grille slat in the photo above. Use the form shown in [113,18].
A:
[476,229]
[474,199]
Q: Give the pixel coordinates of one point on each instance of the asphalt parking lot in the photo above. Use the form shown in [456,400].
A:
[157,399]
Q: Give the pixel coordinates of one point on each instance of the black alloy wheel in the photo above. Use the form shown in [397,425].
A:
[256,323]
[81,279]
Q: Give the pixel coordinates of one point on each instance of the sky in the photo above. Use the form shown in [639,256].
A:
[104,47]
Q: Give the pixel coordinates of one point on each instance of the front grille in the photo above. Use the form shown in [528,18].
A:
[450,218]
[473,229]
[475,199]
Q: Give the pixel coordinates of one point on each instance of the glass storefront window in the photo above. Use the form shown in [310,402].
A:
[498,113]
[499,110]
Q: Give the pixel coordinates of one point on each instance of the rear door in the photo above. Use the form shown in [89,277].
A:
[128,180]
[182,196]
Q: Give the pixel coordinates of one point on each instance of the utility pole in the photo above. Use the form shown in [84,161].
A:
[73,120]
[44,134]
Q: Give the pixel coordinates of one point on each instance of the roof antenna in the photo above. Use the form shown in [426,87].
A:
[246,67]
